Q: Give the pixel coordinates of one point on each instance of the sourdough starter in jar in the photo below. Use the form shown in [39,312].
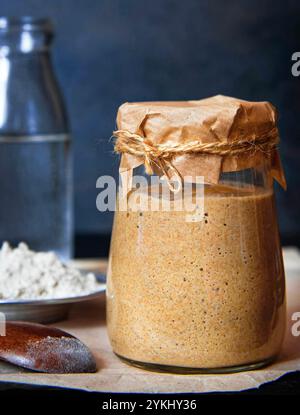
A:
[206,294]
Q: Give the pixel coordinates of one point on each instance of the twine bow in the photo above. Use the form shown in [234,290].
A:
[161,155]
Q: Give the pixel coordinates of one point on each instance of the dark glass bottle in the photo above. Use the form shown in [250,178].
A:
[35,151]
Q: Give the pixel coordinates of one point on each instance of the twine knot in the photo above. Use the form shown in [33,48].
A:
[161,155]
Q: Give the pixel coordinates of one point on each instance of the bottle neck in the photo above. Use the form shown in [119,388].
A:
[24,35]
[30,99]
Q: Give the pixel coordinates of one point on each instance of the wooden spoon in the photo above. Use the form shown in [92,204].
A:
[44,349]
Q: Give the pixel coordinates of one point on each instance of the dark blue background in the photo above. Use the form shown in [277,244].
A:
[110,51]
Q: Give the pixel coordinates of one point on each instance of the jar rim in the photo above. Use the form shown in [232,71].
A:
[27,23]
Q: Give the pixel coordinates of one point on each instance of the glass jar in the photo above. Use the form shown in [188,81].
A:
[35,146]
[202,296]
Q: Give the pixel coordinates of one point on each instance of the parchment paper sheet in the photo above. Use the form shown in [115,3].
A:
[87,322]
[210,120]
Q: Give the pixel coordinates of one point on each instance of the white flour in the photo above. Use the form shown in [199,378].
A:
[25,274]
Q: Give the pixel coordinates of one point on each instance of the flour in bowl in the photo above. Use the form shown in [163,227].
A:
[25,274]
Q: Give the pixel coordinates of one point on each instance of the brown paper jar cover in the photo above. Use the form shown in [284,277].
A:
[210,120]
